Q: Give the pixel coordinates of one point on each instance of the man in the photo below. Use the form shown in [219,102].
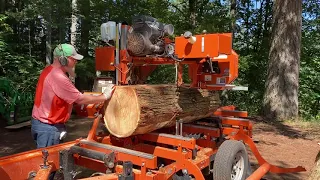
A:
[55,94]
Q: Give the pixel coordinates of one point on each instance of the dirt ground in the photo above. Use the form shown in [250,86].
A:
[286,145]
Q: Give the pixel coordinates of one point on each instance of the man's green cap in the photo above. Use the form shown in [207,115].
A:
[66,50]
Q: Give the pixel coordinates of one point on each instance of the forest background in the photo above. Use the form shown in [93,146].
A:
[30,29]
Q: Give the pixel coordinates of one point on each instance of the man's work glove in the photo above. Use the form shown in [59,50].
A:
[108,90]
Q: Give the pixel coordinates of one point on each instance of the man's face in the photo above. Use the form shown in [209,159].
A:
[71,66]
[72,62]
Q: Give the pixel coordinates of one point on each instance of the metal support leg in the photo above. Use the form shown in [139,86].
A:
[127,171]
[67,164]
[177,127]
[181,124]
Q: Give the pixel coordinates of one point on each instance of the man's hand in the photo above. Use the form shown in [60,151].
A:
[108,91]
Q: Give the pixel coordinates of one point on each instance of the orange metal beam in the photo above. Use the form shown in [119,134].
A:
[19,166]
[231,113]
[169,140]
[163,152]
[260,172]
[157,61]
[122,156]
[93,130]
[112,176]
[236,121]
[150,175]
[44,173]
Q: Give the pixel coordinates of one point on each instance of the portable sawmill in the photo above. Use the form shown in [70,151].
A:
[175,142]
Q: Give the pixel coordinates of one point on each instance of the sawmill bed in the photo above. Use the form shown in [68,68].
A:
[188,152]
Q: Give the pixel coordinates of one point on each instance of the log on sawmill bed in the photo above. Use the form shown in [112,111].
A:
[140,109]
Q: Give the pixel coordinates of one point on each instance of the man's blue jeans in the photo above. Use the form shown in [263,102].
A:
[45,134]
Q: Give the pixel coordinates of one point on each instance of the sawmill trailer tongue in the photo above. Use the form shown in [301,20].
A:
[213,147]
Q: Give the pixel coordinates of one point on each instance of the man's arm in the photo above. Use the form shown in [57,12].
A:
[90,99]
[64,89]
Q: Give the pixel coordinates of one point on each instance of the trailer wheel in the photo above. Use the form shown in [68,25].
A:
[231,161]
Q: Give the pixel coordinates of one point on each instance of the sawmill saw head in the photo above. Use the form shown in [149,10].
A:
[129,54]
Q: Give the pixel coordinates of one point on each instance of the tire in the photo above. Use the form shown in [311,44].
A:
[231,161]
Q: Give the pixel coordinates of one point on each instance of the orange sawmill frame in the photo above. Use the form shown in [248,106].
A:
[193,57]
[144,151]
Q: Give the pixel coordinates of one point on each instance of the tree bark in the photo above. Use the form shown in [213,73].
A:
[48,38]
[73,35]
[193,14]
[85,26]
[233,11]
[140,109]
[281,95]
[74,23]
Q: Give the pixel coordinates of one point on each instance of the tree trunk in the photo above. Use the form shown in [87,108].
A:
[85,26]
[247,21]
[193,14]
[48,39]
[74,23]
[140,109]
[233,17]
[281,95]
[73,36]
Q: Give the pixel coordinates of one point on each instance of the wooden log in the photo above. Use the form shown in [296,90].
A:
[140,109]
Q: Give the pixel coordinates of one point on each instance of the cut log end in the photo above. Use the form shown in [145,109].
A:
[122,112]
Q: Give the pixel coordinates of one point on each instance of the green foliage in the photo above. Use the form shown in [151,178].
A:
[85,71]
[251,42]
[162,75]
[4,27]
[309,94]
[252,73]
[22,70]
[19,73]
[309,89]
[166,74]
[24,34]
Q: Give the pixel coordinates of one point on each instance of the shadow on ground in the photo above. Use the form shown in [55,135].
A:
[273,176]
[280,128]
[20,140]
